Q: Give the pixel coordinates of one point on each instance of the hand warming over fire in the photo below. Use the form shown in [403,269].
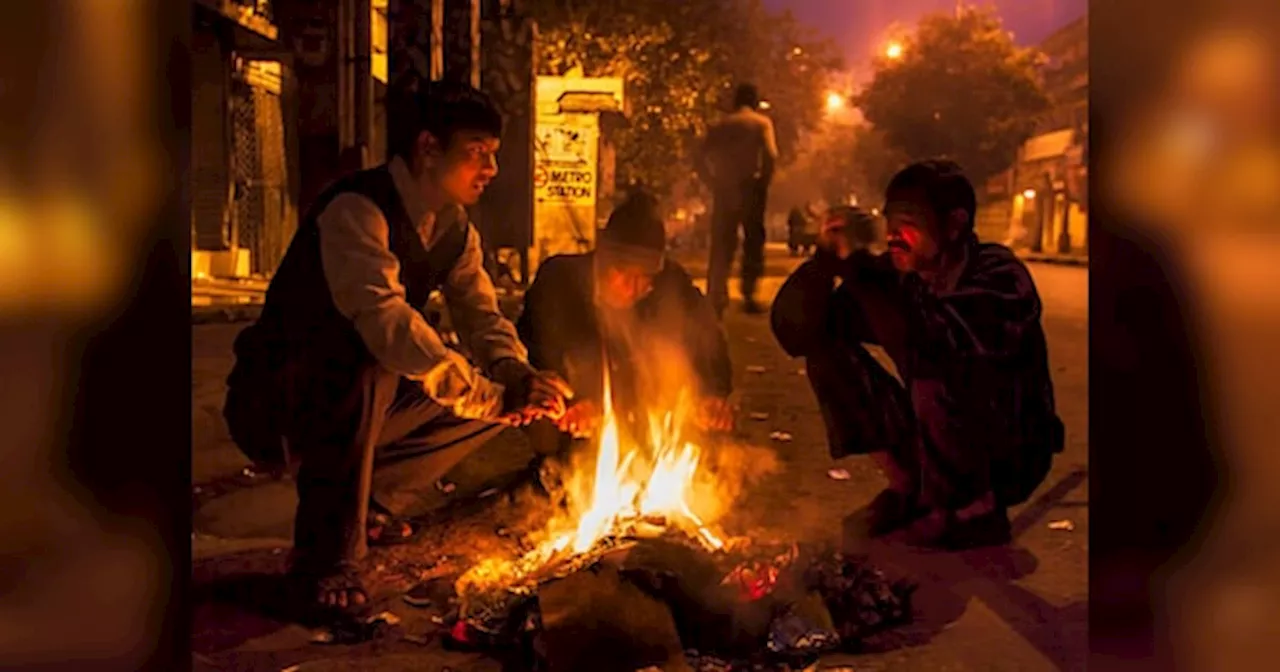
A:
[581,419]
[549,392]
[715,414]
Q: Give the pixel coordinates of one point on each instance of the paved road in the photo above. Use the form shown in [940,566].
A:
[1023,608]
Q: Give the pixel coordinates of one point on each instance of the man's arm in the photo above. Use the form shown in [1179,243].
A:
[770,158]
[540,317]
[473,308]
[799,313]
[364,279]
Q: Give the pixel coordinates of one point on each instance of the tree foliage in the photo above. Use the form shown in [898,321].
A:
[679,62]
[961,90]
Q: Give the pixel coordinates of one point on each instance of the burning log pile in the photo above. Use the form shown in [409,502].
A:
[658,601]
[637,574]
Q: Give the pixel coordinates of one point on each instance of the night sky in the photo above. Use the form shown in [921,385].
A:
[860,25]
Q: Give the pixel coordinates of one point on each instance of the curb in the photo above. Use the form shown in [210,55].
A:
[1060,260]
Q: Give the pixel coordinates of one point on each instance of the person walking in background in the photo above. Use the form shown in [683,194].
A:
[736,162]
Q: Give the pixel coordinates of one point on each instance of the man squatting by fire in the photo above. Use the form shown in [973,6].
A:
[344,367]
[628,305]
[971,428]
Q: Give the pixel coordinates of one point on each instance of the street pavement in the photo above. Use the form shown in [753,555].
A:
[1019,608]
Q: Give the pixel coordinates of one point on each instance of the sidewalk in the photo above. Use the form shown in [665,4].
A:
[1019,608]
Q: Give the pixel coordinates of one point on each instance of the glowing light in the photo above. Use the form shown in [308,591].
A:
[893,51]
[835,101]
[1029,194]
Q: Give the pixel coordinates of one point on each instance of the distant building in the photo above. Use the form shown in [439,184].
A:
[1041,203]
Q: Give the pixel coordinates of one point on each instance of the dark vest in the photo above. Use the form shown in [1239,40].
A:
[299,305]
[300,321]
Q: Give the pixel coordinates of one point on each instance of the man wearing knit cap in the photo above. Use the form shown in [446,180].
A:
[627,304]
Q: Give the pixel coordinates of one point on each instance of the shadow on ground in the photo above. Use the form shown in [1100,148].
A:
[949,581]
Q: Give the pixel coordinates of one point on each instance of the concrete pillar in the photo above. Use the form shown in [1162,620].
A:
[505,215]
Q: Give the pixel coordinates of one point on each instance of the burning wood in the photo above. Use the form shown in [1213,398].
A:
[644,515]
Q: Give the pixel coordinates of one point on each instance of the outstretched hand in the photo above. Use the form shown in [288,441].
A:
[580,420]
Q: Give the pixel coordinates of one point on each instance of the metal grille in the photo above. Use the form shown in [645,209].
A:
[259,169]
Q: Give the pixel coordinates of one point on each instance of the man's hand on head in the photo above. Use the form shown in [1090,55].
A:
[836,238]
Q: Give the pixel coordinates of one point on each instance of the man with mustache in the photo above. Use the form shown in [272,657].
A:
[343,367]
[967,428]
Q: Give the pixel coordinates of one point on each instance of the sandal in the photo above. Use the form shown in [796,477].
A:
[331,594]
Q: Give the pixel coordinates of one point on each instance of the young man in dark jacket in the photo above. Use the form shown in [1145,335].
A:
[971,429]
[628,305]
[343,366]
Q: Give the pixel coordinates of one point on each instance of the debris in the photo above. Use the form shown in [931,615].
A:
[759,416]
[859,598]
[249,472]
[802,372]
[780,436]
[1063,525]
[756,369]
[488,493]
[838,474]
[429,593]
[502,532]
[793,634]
[384,617]
[445,486]
[355,631]
[438,620]
[421,640]
[292,668]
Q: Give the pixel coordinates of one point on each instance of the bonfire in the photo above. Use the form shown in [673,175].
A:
[659,496]
[637,489]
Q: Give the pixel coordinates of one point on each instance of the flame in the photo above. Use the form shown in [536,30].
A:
[632,485]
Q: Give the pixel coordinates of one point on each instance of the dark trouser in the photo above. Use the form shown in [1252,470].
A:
[866,410]
[939,446]
[359,433]
[740,206]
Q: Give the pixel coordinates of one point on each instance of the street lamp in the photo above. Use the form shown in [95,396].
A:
[893,51]
[835,101]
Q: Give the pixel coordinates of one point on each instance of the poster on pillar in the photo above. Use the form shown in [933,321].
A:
[566,161]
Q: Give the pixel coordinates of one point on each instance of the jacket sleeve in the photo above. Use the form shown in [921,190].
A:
[535,320]
[799,313]
[987,317]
